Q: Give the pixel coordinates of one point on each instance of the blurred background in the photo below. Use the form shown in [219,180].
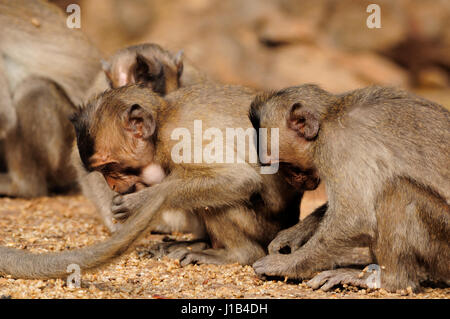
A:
[271,44]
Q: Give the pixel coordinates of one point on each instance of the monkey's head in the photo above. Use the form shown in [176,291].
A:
[116,133]
[296,112]
[146,64]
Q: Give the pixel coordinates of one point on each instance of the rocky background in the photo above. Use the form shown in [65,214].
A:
[272,44]
[267,44]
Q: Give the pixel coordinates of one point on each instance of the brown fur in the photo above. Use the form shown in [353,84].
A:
[383,155]
[34,167]
[240,219]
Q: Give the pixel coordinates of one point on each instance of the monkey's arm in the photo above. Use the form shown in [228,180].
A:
[296,236]
[332,244]
[94,187]
[8,116]
[218,187]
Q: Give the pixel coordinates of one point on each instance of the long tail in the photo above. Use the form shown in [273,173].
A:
[22,264]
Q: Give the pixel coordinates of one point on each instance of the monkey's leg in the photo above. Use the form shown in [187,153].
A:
[336,235]
[233,233]
[5,184]
[291,239]
[95,188]
[24,178]
[8,116]
[413,236]
[236,235]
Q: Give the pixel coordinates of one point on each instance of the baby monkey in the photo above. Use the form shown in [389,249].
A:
[384,157]
[150,66]
[126,134]
[146,64]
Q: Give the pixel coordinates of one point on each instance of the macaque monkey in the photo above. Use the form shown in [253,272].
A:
[153,67]
[35,40]
[38,147]
[149,65]
[126,135]
[383,155]
[242,208]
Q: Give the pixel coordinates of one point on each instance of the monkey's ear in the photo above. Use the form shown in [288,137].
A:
[179,62]
[304,122]
[139,122]
[106,67]
[145,71]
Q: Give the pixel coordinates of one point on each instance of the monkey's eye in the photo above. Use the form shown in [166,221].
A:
[132,171]
[106,169]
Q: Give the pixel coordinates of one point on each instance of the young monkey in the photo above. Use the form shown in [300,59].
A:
[126,131]
[384,157]
[149,65]
[155,68]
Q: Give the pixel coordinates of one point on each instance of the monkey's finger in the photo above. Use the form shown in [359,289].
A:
[271,266]
[275,247]
[178,254]
[331,282]
[188,259]
[122,216]
[119,210]
[318,280]
[117,200]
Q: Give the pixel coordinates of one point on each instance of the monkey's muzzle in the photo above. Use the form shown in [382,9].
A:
[298,178]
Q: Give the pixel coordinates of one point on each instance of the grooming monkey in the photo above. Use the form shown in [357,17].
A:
[153,67]
[127,132]
[384,157]
[247,211]
[240,216]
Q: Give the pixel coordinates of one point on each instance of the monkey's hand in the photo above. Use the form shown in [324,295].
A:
[355,277]
[123,206]
[291,239]
[279,265]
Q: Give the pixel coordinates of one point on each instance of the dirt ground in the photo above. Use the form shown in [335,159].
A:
[68,222]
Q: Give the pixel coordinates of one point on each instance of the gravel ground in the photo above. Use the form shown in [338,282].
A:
[68,222]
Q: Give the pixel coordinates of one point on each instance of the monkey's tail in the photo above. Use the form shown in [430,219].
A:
[23,264]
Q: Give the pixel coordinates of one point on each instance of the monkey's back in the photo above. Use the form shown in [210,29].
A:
[35,37]
[399,134]
[208,106]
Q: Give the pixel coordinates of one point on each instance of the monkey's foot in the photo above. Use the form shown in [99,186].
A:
[177,249]
[354,277]
[279,265]
[188,257]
